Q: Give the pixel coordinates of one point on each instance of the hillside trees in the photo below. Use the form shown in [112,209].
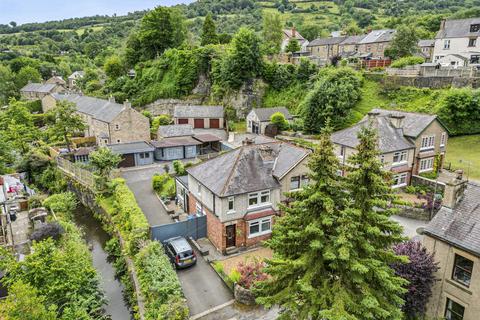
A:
[114,67]
[25,75]
[63,122]
[209,32]
[460,111]
[332,250]
[272,33]
[335,93]
[7,84]
[160,29]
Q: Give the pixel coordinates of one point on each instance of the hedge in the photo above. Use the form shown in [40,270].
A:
[407,61]
[159,284]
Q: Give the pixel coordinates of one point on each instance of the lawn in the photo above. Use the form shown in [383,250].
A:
[464,153]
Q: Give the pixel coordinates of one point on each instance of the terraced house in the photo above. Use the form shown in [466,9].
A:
[409,143]
[109,122]
[240,191]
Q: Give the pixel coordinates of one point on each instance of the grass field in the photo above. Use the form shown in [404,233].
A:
[464,153]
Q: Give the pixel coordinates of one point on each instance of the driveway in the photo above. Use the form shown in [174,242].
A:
[139,180]
[202,287]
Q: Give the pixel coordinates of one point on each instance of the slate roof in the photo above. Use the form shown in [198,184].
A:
[198,112]
[249,168]
[426,43]
[175,142]
[461,226]
[175,130]
[206,137]
[374,36]
[131,147]
[264,114]
[325,41]
[288,33]
[100,109]
[353,39]
[458,29]
[413,123]
[390,139]
[39,87]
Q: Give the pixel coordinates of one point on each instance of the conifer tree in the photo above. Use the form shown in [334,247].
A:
[209,33]
[333,247]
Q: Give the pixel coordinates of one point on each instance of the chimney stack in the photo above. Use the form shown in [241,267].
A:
[127,104]
[266,153]
[111,99]
[294,32]
[442,24]
[397,120]
[454,190]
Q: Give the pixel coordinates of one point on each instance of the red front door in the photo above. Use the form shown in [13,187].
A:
[214,123]
[182,121]
[198,123]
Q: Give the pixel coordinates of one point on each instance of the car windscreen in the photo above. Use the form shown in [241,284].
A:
[185,254]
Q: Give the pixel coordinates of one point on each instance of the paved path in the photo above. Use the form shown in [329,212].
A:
[410,226]
[202,287]
[140,182]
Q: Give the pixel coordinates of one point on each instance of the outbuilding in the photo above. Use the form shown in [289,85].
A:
[200,117]
[133,153]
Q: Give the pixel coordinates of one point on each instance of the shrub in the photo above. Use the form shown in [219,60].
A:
[234,276]
[164,185]
[407,61]
[36,201]
[251,273]
[279,120]
[48,230]
[61,203]
[159,284]
[410,189]
[419,271]
[218,266]
[179,168]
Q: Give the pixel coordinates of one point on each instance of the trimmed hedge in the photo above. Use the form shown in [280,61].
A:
[159,284]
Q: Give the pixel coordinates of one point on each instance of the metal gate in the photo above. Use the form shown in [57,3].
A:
[195,227]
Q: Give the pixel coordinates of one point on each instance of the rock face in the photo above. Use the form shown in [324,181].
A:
[249,96]
[166,106]
[244,296]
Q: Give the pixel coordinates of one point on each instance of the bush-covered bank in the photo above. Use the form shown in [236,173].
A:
[57,280]
[133,251]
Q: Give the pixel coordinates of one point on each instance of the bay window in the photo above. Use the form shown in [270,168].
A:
[259,227]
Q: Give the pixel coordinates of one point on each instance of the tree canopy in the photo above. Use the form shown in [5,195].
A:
[209,32]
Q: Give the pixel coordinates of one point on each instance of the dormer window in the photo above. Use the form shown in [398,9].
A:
[475,27]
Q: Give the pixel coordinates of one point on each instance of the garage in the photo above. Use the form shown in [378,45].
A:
[128,160]
[182,121]
[133,153]
[198,123]
[215,123]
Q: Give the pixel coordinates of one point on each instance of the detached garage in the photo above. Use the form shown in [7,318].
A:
[176,148]
[134,153]
[199,117]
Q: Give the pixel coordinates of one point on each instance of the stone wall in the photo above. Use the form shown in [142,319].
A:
[418,180]
[413,213]
[430,82]
[166,106]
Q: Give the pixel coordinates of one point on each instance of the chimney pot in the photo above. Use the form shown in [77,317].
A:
[397,120]
[127,104]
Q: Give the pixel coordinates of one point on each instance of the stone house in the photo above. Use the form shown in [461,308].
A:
[458,37]
[37,91]
[73,78]
[325,48]
[292,33]
[240,191]
[349,46]
[199,117]
[409,143]
[259,119]
[109,122]
[56,80]
[453,236]
[425,48]
[375,43]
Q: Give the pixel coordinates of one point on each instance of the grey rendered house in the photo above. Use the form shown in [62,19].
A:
[240,191]
[133,153]
[259,119]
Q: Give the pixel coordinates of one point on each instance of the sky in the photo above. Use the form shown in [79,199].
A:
[23,11]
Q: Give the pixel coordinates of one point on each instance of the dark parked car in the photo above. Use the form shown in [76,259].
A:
[180,252]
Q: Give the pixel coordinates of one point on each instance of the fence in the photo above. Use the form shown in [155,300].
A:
[195,227]
[381,63]
[83,176]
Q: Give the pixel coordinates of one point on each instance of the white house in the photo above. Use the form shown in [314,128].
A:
[458,37]
[258,119]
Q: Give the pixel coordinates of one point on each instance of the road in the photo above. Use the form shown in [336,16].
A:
[202,287]
[139,180]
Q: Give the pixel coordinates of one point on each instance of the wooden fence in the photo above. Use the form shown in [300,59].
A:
[82,176]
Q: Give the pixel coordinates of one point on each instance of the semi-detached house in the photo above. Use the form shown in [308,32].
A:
[409,143]
[240,191]
[109,122]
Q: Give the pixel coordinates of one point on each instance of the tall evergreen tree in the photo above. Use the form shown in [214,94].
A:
[209,32]
[333,247]
[272,32]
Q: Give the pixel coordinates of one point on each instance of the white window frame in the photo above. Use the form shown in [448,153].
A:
[232,201]
[446,44]
[397,180]
[260,223]
[428,142]
[299,183]
[258,196]
[443,139]
[402,157]
[426,165]
[382,159]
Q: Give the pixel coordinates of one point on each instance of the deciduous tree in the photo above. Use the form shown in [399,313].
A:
[292,46]
[404,43]
[63,122]
[272,32]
